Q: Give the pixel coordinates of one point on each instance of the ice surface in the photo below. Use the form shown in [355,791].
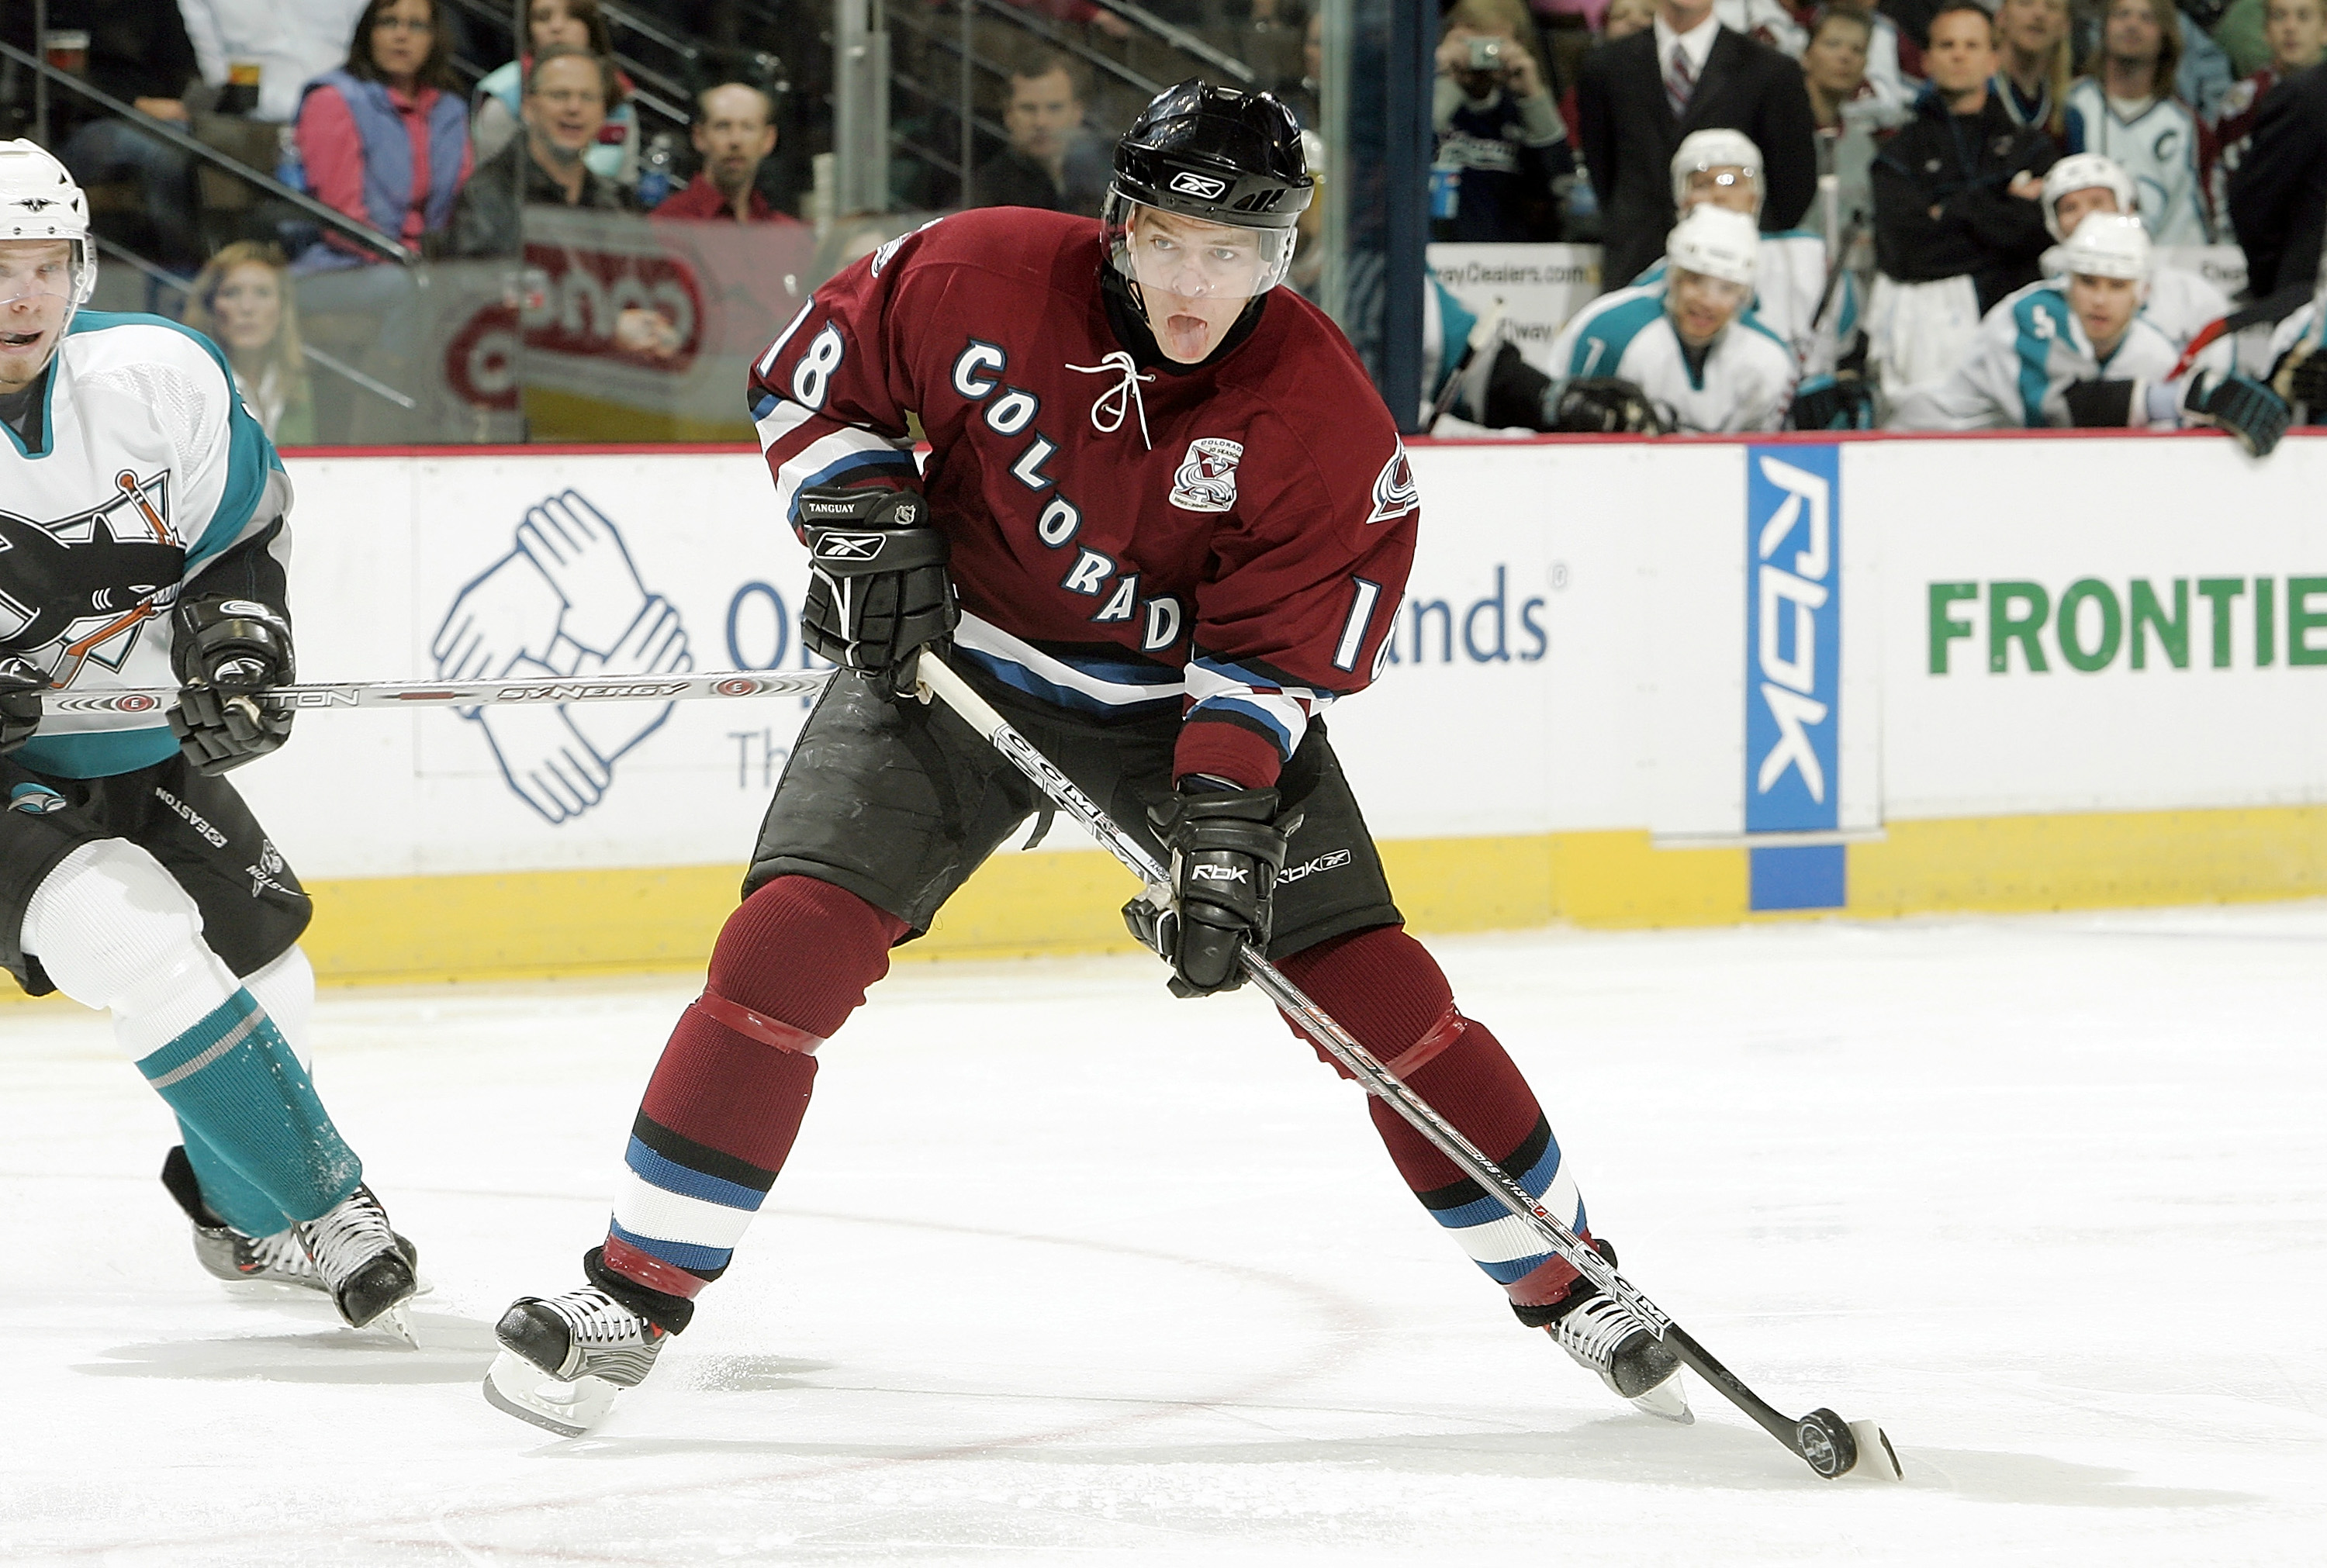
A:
[1067,1271]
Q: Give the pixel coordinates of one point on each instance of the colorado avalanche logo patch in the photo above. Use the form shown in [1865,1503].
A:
[1395,493]
[1206,481]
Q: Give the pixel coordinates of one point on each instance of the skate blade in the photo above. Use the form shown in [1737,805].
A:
[396,1322]
[1877,1459]
[517,1388]
[1668,1401]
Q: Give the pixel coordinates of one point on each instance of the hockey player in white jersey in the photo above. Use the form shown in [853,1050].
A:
[1689,343]
[2180,303]
[2076,350]
[143,543]
[1724,168]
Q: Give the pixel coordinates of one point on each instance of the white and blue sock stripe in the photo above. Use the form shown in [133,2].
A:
[1506,1247]
[683,1203]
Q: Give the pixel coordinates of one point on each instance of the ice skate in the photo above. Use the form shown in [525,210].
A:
[361,1262]
[563,1357]
[230,1254]
[1602,1335]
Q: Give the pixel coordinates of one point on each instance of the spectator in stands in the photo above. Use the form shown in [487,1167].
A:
[2297,35]
[577,24]
[1639,97]
[2127,111]
[2031,81]
[1847,111]
[1503,152]
[734,130]
[1053,161]
[138,52]
[385,138]
[566,90]
[2278,192]
[292,45]
[242,301]
[1834,65]
[1956,225]
[2243,32]
[2179,303]
[1889,75]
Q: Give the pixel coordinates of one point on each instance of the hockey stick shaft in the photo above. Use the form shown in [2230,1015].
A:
[465,694]
[940,679]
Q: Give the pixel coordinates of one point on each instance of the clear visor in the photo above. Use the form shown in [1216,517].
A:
[36,276]
[1726,184]
[1704,290]
[1175,256]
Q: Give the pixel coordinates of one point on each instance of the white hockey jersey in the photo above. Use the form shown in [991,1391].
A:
[147,469]
[2180,303]
[1746,382]
[2030,348]
[2158,147]
[1788,280]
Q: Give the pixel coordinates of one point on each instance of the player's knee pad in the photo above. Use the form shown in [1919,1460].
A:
[802,952]
[1385,989]
[114,929]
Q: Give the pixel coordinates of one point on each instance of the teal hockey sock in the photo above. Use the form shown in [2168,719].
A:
[251,1114]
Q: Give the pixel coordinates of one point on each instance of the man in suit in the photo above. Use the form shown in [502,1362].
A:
[1640,94]
[2278,193]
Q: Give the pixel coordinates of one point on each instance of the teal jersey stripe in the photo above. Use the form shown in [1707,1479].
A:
[2049,307]
[249,454]
[99,755]
[1610,334]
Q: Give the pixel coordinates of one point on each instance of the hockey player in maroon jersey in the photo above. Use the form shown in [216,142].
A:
[1166,521]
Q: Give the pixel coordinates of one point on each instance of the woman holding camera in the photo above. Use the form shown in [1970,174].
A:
[1501,147]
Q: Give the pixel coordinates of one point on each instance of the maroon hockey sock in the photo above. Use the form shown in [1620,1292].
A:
[727,1098]
[1384,987]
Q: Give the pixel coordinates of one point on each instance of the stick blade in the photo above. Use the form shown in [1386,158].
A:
[1877,1459]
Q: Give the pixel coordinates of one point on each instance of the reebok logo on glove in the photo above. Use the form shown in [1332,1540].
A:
[848,546]
[1219,873]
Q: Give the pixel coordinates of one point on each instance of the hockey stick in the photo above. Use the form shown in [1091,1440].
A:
[465,694]
[1830,1446]
[1482,332]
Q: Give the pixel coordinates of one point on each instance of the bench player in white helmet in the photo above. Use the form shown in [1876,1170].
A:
[143,543]
[1724,168]
[2077,350]
[1686,341]
[2180,303]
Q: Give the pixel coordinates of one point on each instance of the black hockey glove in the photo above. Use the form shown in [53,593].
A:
[228,653]
[1228,846]
[878,591]
[22,682]
[2302,378]
[1606,405]
[2253,414]
[1834,403]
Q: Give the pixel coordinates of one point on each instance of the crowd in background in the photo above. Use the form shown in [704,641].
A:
[1910,139]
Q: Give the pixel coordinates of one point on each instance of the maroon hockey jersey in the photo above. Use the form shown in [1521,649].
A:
[1232,539]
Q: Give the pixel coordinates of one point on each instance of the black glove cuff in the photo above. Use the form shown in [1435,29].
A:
[233,644]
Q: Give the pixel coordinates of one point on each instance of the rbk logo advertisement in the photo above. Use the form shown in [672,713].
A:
[1793,673]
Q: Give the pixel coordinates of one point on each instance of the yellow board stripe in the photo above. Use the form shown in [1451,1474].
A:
[531,925]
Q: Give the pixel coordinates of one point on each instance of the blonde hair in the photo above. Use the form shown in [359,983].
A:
[284,355]
[2057,74]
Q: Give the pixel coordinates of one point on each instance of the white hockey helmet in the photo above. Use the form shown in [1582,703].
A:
[1700,150]
[39,200]
[2108,245]
[1717,242]
[2082,171]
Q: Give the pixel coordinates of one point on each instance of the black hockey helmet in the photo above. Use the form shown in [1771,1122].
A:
[1216,153]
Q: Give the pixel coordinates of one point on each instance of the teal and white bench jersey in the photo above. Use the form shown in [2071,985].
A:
[147,470]
[2030,348]
[1746,382]
[1789,279]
